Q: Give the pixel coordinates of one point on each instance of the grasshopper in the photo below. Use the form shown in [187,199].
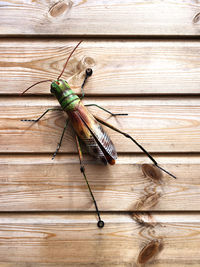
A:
[87,128]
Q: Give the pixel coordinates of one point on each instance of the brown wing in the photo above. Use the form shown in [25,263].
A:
[92,134]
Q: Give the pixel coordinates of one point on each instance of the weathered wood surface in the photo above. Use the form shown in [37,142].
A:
[47,218]
[36,183]
[161,125]
[120,67]
[127,240]
[86,18]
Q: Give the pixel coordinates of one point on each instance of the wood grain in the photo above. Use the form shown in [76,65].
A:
[161,125]
[120,67]
[86,18]
[36,183]
[73,239]
[145,58]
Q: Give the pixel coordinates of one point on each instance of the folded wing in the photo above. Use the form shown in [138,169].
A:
[92,134]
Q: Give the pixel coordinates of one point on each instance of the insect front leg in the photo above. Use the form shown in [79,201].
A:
[60,142]
[134,141]
[88,73]
[100,223]
[43,114]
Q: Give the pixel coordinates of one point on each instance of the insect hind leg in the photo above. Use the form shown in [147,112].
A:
[100,223]
[134,141]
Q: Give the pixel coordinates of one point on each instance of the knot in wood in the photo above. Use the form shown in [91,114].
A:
[60,8]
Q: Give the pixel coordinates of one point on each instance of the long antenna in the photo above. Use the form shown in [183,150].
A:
[68,59]
[34,85]
[58,76]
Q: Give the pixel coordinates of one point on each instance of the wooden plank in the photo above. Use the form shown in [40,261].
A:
[120,67]
[36,183]
[86,18]
[161,125]
[126,240]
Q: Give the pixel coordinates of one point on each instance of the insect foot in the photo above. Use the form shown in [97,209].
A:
[100,224]
[89,72]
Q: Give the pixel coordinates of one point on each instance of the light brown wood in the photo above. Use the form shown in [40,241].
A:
[120,67]
[77,17]
[36,183]
[47,217]
[160,125]
[73,239]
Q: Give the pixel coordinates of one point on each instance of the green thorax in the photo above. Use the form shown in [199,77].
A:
[65,95]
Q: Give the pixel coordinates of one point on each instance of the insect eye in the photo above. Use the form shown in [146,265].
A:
[52,90]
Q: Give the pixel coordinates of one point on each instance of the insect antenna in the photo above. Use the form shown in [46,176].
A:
[68,59]
[58,76]
[34,85]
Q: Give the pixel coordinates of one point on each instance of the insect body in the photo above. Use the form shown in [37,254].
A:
[87,128]
[85,125]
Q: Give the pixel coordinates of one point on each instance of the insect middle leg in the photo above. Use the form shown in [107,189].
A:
[60,142]
[100,223]
[112,114]
[88,73]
